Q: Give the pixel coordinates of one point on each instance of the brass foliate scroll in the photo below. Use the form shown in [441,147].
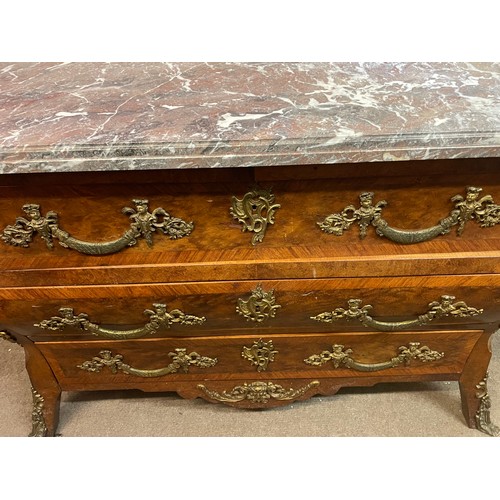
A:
[255,211]
[437,309]
[159,318]
[470,207]
[39,428]
[260,354]
[259,307]
[483,420]
[258,392]
[180,361]
[143,224]
[341,358]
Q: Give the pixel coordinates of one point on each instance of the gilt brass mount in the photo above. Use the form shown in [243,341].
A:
[39,427]
[159,318]
[437,309]
[483,420]
[260,354]
[258,392]
[143,224]
[259,307]
[341,357]
[467,208]
[180,361]
[256,210]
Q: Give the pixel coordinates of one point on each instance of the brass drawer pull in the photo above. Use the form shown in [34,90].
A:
[471,207]
[445,307]
[258,392]
[158,318]
[180,361]
[143,224]
[259,307]
[341,357]
[256,210]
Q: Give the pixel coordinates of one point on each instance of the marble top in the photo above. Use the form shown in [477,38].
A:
[119,116]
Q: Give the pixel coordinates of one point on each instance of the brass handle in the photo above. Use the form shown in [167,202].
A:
[258,392]
[256,210]
[180,361]
[471,207]
[445,307]
[159,317]
[341,357]
[143,224]
[259,307]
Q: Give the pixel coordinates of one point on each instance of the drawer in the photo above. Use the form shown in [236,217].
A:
[376,304]
[216,247]
[314,356]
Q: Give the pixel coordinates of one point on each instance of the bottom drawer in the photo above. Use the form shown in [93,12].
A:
[80,365]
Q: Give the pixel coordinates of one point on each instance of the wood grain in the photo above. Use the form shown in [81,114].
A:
[294,247]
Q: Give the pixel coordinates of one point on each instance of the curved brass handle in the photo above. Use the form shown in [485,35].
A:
[257,392]
[256,210]
[471,207]
[143,224]
[342,358]
[445,307]
[158,318]
[180,361]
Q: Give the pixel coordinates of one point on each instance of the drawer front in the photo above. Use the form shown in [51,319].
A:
[232,308]
[314,356]
[229,241]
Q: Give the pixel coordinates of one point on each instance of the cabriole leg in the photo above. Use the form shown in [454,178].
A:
[476,402]
[45,388]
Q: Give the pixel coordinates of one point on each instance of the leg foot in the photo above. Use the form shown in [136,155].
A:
[45,389]
[483,422]
[39,425]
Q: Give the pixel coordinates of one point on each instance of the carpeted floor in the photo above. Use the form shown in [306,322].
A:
[411,409]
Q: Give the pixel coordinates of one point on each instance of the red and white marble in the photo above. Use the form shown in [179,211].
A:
[110,116]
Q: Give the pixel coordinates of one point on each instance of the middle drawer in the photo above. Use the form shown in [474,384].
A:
[200,309]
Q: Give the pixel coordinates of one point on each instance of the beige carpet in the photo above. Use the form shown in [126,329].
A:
[424,409]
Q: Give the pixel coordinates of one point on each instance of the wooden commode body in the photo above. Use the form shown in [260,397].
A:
[235,269]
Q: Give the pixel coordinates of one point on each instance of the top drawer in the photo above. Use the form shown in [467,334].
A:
[187,226]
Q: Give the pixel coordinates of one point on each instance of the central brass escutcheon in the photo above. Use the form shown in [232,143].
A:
[259,307]
[260,354]
[256,210]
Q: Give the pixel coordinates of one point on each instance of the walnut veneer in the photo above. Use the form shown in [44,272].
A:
[178,315]
[370,197]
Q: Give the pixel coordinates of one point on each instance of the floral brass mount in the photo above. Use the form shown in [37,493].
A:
[260,354]
[159,317]
[340,357]
[143,224]
[259,306]
[483,420]
[471,207]
[258,392]
[437,309]
[39,428]
[180,361]
[256,210]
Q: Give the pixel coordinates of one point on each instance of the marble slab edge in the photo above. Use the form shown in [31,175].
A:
[145,162]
